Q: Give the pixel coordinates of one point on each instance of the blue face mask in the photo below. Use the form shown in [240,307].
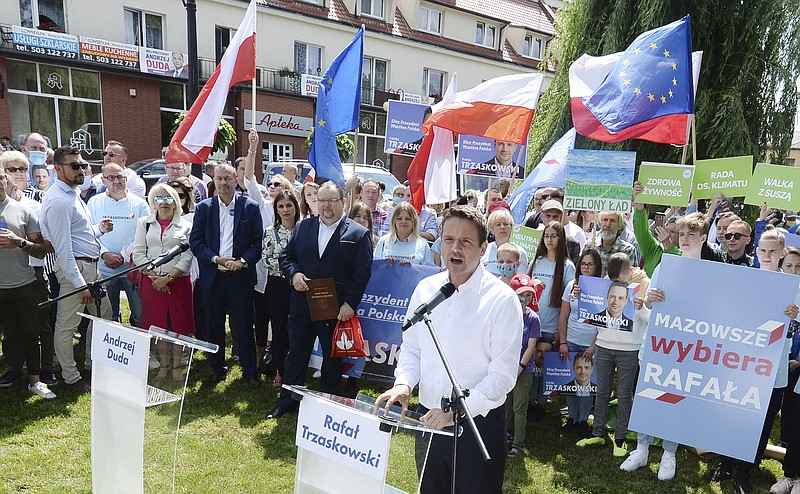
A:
[507,269]
[399,200]
[37,157]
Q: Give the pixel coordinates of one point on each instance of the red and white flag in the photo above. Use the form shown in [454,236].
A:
[500,108]
[194,139]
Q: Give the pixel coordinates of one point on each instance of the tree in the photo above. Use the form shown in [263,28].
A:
[747,94]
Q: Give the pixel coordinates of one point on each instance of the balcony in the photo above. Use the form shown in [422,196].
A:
[266,78]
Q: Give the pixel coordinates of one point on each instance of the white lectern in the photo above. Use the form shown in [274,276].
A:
[120,395]
[342,447]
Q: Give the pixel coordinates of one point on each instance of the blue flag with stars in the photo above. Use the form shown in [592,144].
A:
[652,79]
[338,104]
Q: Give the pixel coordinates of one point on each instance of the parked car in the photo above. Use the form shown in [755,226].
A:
[151,170]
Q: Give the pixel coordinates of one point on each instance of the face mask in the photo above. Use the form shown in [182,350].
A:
[399,200]
[37,157]
[507,269]
[87,183]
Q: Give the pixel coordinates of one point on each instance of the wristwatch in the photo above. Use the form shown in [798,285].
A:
[244,263]
[21,243]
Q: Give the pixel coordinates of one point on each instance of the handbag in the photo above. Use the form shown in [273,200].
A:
[348,341]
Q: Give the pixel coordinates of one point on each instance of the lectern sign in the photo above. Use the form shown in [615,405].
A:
[352,439]
[121,348]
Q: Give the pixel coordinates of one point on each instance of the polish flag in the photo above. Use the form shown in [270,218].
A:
[585,76]
[194,139]
[500,108]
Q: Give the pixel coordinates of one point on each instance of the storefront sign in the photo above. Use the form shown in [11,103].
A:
[309,85]
[58,45]
[279,123]
[109,53]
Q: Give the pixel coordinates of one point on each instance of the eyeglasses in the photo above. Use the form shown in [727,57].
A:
[162,199]
[587,265]
[175,168]
[275,184]
[550,237]
[735,236]
[12,169]
[329,201]
[116,178]
[544,197]
[110,154]
[76,166]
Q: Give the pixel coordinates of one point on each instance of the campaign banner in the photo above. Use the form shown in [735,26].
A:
[792,239]
[47,43]
[710,360]
[665,184]
[774,185]
[124,349]
[729,176]
[574,376]
[491,158]
[343,435]
[526,238]
[606,303]
[110,53]
[404,127]
[162,62]
[599,180]
[382,312]
[309,85]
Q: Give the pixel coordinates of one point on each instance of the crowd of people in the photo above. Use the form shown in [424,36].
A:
[255,250]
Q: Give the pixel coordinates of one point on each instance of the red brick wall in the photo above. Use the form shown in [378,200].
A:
[5,113]
[133,121]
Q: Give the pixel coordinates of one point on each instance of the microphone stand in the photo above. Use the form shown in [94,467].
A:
[457,404]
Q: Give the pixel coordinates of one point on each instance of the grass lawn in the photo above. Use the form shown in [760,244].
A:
[226,445]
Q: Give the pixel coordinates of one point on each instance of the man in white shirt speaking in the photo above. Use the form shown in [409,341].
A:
[480,328]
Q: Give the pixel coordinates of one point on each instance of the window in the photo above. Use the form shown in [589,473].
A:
[372,8]
[61,103]
[432,83]
[430,20]
[43,14]
[532,47]
[222,37]
[371,137]
[276,151]
[484,34]
[144,29]
[307,58]
[373,77]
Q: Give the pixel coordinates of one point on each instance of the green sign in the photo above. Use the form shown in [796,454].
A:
[665,184]
[729,176]
[599,180]
[774,185]
[527,239]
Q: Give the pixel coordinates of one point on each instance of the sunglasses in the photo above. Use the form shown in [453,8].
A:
[275,184]
[162,199]
[735,236]
[181,195]
[12,169]
[76,166]
[110,154]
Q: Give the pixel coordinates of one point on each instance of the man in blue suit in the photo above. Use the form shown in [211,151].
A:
[330,245]
[226,240]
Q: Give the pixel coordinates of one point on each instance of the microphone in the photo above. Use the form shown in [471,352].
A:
[443,294]
[168,255]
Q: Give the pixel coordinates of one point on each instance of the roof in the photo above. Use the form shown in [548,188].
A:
[526,10]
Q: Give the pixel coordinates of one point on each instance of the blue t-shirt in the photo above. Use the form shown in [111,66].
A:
[489,260]
[125,214]
[530,329]
[578,332]
[413,249]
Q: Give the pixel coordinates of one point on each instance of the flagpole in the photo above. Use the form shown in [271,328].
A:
[355,152]
[253,87]
[689,128]
[694,140]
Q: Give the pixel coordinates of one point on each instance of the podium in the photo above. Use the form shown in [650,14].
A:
[120,395]
[342,446]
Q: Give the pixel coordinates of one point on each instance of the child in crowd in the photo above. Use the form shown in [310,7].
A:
[508,261]
[574,335]
[617,349]
[517,414]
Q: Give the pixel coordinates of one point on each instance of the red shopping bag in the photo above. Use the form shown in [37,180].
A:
[348,340]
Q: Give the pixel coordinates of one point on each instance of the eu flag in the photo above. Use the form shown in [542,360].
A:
[338,104]
[652,79]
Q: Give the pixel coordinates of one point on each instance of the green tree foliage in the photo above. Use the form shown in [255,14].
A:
[747,94]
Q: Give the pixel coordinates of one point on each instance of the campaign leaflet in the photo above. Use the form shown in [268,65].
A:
[607,304]
[404,127]
[574,376]
[489,158]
